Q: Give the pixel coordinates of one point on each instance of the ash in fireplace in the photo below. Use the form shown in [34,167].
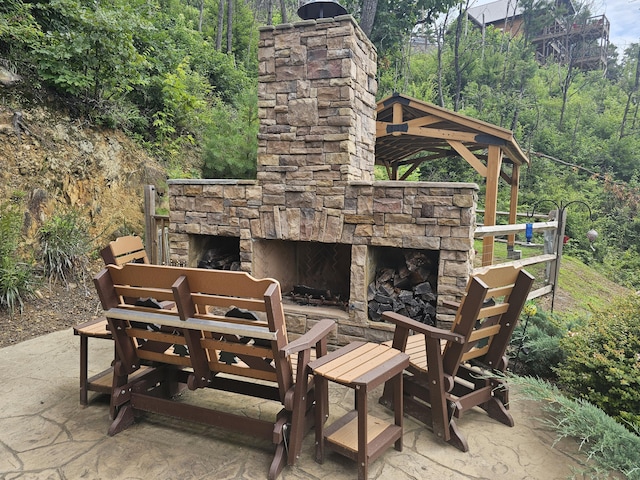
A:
[304,295]
[405,289]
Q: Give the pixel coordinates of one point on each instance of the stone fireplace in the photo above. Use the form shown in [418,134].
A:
[315,217]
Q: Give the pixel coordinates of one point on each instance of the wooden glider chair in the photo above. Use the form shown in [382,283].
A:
[452,371]
[118,252]
[205,344]
[129,249]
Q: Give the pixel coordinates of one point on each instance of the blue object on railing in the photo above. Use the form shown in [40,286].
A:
[529,232]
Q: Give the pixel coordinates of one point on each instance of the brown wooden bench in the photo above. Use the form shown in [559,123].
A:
[452,371]
[198,346]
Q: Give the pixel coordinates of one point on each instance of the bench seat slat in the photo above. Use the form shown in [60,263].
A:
[166,320]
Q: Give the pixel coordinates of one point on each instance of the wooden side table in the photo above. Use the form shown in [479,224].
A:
[101,382]
[358,435]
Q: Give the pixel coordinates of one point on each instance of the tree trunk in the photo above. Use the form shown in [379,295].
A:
[368,15]
[229,25]
[283,11]
[456,60]
[269,12]
[220,25]
[201,15]
[630,96]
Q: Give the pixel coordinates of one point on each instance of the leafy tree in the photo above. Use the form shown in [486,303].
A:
[18,29]
[89,51]
[232,140]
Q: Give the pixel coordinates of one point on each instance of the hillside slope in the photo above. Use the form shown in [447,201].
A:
[50,162]
[582,289]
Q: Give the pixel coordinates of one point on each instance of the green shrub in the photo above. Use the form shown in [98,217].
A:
[65,246]
[535,344]
[16,277]
[602,362]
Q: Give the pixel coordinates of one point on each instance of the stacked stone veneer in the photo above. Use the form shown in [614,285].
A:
[315,177]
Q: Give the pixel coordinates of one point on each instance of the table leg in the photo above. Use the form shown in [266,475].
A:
[363,454]
[398,406]
[83,369]
[321,414]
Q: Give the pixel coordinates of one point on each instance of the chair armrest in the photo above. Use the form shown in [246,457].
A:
[319,331]
[427,330]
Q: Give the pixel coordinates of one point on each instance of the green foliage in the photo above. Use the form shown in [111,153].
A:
[607,443]
[603,360]
[89,51]
[16,277]
[231,146]
[18,29]
[65,246]
[535,344]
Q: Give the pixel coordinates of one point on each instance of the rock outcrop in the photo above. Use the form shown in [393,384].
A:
[51,162]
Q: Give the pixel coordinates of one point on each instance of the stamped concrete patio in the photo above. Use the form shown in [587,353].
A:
[45,434]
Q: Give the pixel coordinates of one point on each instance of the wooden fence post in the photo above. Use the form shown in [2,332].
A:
[149,222]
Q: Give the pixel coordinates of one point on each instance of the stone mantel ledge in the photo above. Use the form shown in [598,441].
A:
[357,183]
[210,181]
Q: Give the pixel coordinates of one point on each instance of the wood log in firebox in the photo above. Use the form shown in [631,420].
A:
[405,289]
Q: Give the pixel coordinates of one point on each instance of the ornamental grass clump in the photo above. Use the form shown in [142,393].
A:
[609,446]
[16,276]
[65,246]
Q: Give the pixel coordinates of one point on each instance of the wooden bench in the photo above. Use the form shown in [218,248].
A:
[199,345]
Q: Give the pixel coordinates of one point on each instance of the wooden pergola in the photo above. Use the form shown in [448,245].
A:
[410,132]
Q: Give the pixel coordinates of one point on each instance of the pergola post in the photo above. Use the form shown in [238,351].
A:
[494,164]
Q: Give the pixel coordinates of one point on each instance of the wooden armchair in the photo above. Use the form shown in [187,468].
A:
[129,249]
[454,370]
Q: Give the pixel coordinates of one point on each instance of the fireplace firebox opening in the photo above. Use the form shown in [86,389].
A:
[310,273]
[403,281]
[214,252]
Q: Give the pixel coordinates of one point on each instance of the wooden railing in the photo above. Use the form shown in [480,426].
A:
[550,259]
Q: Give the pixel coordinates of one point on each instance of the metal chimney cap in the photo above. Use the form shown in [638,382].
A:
[315,9]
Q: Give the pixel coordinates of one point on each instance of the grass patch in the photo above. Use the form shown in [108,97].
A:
[588,289]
